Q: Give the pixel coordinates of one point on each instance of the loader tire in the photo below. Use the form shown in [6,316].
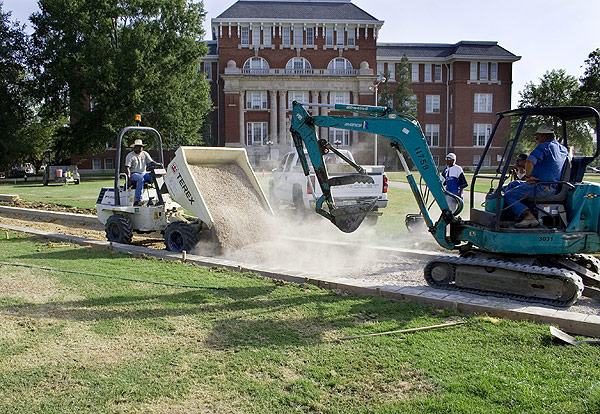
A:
[118,229]
[180,236]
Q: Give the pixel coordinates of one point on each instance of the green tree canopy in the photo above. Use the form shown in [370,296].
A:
[556,88]
[101,62]
[590,81]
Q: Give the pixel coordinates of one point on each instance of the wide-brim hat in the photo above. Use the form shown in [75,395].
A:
[138,142]
[545,129]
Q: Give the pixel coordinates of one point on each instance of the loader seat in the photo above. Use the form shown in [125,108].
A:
[562,189]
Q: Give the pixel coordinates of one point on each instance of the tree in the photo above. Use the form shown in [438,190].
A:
[556,88]
[101,62]
[15,110]
[589,92]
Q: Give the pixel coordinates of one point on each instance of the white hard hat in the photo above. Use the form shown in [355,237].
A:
[138,142]
[451,156]
[545,129]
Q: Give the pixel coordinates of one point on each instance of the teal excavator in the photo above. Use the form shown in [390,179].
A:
[548,264]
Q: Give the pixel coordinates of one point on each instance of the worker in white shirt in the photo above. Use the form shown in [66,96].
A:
[136,164]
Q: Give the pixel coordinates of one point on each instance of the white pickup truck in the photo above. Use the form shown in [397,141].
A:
[288,184]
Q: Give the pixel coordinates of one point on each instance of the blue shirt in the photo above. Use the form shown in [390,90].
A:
[548,159]
[454,179]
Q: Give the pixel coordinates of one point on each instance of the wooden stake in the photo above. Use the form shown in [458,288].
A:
[424,328]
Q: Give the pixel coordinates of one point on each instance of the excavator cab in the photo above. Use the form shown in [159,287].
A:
[554,211]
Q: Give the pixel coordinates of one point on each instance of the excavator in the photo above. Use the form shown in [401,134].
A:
[549,264]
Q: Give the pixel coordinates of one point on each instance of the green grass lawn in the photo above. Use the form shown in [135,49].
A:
[76,343]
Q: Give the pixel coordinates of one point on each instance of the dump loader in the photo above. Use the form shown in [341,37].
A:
[171,196]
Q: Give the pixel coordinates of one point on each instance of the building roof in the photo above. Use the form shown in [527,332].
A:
[445,52]
[337,10]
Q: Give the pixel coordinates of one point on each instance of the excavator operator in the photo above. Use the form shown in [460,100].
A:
[544,164]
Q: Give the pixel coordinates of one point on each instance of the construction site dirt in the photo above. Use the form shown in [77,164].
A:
[314,248]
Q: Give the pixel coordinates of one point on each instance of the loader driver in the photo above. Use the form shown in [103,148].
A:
[136,163]
[544,164]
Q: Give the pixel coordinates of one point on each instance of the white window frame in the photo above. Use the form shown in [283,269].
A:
[339,36]
[256,100]
[298,65]
[351,37]
[310,36]
[96,164]
[299,96]
[481,134]
[286,36]
[262,128]
[343,135]
[208,71]
[483,71]
[437,73]
[109,164]
[329,36]
[267,38]
[483,103]
[486,160]
[494,71]
[339,64]
[414,72]
[473,71]
[298,36]
[427,73]
[391,67]
[255,35]
[256,63]
[432,104]
[340,97]
[380,68]
[432,134]
[245,35]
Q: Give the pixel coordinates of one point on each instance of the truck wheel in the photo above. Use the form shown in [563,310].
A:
[181,235]
[118,229]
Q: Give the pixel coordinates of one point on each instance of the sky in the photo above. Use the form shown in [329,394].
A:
[547,34]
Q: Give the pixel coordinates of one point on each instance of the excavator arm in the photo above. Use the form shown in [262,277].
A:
[403,132]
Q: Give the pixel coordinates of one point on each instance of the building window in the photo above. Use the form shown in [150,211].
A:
[494,71]
[310,36]
[256,64]
[339,137]
[339,98]
[108,164]
[339,37]
[486,161]
[256,99]
[392,70]
[414,72]
[432,104]
[413,103]
[380,69]
[436,160]
[267,36]
[96,164]
[208,70]
[257,133]
[298,36]
[351,37]
[438,73]
[483,71]
[255,35]
[298,96]
[329,36]
[483,102]
[340,66]
[432,135]
[298,65]
[473,72]
[285,36]
[481,133]
[245,36]
[427,73]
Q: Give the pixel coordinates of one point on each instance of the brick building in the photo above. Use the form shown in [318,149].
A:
[265,54]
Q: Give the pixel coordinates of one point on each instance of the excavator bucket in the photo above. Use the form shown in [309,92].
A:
[349,218]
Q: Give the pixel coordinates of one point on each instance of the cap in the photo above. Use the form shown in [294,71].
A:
[522,156]
[138,142]
[545,129]
[451,156]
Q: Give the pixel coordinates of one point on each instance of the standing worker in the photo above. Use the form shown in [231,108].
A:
[544,164]
[453,179]
[136,164]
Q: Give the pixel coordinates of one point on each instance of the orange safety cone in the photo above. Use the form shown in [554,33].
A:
[263,172]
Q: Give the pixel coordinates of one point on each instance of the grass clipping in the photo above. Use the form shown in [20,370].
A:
[239,215]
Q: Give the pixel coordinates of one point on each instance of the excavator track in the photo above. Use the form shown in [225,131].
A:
[588,268]
[548,285]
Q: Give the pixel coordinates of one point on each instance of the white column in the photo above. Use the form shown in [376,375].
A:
[314,98]
[282,106]
[241,106]
[273,117]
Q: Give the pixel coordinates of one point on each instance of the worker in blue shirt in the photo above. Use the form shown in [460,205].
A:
[453,179]
[544,164]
